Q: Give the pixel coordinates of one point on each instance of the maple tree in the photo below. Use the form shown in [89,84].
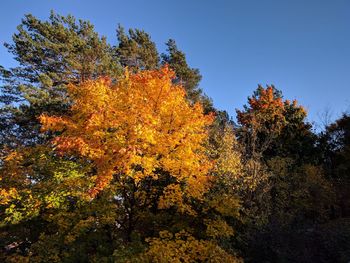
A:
[268,118]
[140,141]
[265,105]
[134,128]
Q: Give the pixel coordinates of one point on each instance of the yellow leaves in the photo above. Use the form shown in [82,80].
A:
[255,174]
[218,228]
[54,199]
[33,179]
[7,195]
[231,172]
[21,207]
[52,122]
[173,196]
[14,156]
[229,158]
[183,247]
[226,205]
[136,127]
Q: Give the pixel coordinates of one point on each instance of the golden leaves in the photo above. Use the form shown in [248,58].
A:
[136,127]
[33,179]
[173,197]
[6,195]
[183,247]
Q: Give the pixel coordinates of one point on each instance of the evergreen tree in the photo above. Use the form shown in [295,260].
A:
[136,50]
[336,149]
[50,55]
[186,76]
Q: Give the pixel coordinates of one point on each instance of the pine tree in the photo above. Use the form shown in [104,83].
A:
[188,77]
[136,50]
[50,55]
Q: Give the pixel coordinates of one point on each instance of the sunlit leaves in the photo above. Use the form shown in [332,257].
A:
[265,108]
[34,180]
[136,127]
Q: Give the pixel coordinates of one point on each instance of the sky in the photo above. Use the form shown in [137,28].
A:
[300,46]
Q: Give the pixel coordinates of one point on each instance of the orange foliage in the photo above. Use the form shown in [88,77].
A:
[268,110]
[135,128]
[267,105]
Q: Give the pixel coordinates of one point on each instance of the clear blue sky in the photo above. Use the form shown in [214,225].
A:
[300,46]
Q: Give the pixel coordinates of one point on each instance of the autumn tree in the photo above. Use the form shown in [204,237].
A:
[271,126]
[262,120]
[295,193]
[143,144]
[139,126]
[62,50]
[60,53]
[115,154]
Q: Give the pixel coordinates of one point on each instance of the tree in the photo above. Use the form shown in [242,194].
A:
[143,143]
[184,248]
[126,166]
[271,126]
[335,145]
[136,51]
[188,77]
[134,128]
[54,53]
[50,54]
[42,195]
[295,195]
